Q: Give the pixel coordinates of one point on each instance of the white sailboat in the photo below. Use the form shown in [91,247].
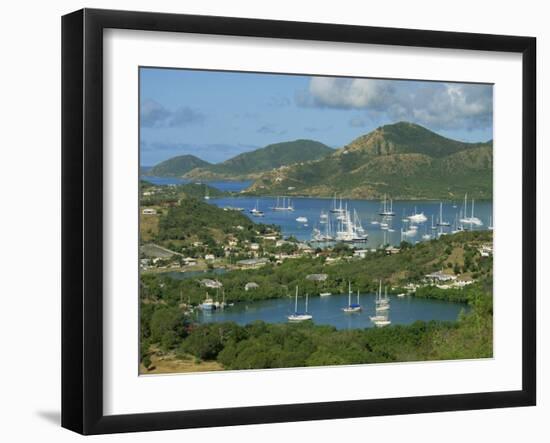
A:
[490,227]
[301,219]
[381,308]
[457,227]
[387,211]
[383,304]
[299,316]
[409,231]
[318,236]
[381,318]
[285,206]
[337,210]
[352,307]
[417,217]
[255,211]
[206,194]
[441,222]
[349,230]
[426,236]
[208,304]
[472,220]
[381,323]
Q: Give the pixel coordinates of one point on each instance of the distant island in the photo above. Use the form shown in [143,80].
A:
[248,165]
[403,160]
[176,166]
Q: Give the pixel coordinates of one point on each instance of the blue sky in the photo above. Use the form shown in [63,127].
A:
[217,115]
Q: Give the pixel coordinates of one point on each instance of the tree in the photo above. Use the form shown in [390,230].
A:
[167,326]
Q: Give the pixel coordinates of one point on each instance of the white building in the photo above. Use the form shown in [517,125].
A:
[251,285]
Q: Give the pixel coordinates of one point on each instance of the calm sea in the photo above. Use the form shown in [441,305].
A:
[328,311]
[367,211]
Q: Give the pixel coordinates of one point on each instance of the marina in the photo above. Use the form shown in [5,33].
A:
[359,221]
[329,310]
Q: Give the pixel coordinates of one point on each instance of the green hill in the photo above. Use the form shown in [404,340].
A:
[176,166]
[251,164]
[404,160]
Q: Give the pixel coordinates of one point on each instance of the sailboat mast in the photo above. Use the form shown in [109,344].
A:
[349,293]
[296,301]
[306,302]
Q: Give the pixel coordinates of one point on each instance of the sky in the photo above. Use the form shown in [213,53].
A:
[216,115]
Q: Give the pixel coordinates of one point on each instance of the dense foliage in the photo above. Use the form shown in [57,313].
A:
[190,220]
[410,265]
[165,327]
[260,345]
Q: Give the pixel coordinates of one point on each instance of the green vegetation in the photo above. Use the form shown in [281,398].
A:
[260,345]
[177,166]
[264,159]
[167,328]
[278,280]
[403,160]
[192,227]
[152,195]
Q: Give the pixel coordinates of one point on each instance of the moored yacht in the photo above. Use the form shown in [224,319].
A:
[352,307]
[299,316]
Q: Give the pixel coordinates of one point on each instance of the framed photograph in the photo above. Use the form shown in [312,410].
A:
[269,221]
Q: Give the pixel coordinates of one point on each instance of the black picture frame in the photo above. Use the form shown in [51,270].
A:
[82,218]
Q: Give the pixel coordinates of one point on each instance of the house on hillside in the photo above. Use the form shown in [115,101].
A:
[149,211]
[209,283]
[317,277]
[252,263]
[440,276]
[251,285]
[390,250]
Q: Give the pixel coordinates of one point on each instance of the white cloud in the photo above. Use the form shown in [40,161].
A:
[345,92]
[438,105]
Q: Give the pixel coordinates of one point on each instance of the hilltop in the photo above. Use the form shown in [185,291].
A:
[176,166]
[252,164]
[404,160]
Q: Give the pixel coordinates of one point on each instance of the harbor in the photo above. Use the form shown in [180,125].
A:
[362,221]
[328,310]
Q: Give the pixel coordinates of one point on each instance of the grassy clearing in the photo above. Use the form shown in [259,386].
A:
[148,227]
[170,364]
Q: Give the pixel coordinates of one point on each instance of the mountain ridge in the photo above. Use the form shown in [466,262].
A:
[404,160]
[251,164]
[176,166]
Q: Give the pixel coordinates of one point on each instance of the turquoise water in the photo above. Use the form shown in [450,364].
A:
[328,311]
